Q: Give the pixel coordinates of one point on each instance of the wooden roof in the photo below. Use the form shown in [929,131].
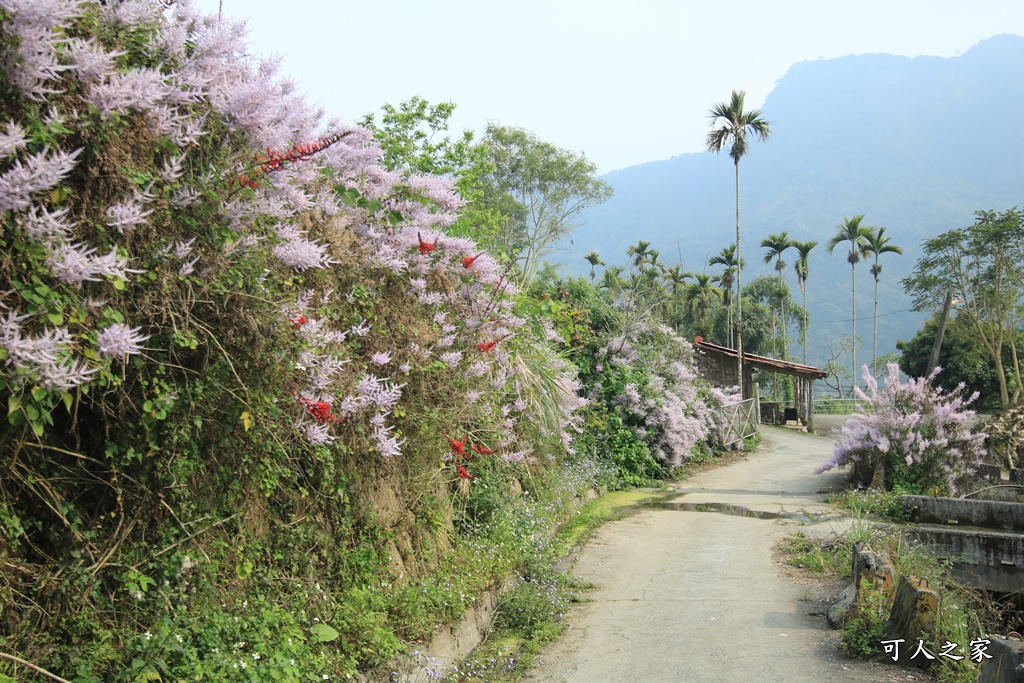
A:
[764,362]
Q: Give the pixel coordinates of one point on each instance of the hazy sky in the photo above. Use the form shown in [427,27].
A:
[624,86]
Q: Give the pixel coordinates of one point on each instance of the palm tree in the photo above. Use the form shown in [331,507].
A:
[594,259]
[850,230]
[675,278]
[736,125]
[698,297]
[727,258]
[801,267]
[878,244]
[639,252]
[612,280]
[776,246]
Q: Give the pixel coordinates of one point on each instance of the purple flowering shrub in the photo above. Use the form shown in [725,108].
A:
[217,306]
[654,411]
[910,436]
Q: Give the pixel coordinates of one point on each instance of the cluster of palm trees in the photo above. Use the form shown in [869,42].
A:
[869,242]
[732,128]
[684,298]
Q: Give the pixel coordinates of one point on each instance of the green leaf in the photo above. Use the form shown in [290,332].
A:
[17,418]
[55,318]
[348,195]
[244,569]
[38,393]
[323,633]
[68,400]
[37,427]
[13,403]
[119,284]
[31,412]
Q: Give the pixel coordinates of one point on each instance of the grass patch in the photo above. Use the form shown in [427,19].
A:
[876,502]
[612,505]
[827,559]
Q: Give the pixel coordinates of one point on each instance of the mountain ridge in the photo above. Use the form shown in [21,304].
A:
[917,144]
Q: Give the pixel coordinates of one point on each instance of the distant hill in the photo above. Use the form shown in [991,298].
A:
[915,144]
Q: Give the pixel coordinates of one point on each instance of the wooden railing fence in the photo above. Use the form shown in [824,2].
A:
[737,421]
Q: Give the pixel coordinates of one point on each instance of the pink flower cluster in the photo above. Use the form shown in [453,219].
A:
[912,424]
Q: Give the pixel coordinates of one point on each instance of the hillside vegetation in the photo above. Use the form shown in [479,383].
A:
[268,418]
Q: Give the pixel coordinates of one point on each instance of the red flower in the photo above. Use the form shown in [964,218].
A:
[298,321]
[468,261]
[425,247]
[320,410]
[482,450]
[458,447]
[487,346]
[463,474]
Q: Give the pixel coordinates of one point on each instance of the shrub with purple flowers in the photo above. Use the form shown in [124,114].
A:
[228,333]
[910,436]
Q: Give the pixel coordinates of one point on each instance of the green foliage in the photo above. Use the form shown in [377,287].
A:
[828,560]
[873,501]
[546,189]
[963,358]
[864,627]
[983,266]
[534,607]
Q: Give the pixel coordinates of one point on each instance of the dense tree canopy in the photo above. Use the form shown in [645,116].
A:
[983,266]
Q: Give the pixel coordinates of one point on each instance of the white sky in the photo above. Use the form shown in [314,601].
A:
[624,86]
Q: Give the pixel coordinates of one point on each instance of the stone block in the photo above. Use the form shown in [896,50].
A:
[1005,666]
[867,566]
[913,612]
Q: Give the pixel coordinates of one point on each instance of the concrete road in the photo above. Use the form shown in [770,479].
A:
[687,593]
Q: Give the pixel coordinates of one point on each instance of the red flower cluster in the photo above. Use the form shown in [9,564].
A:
[426,247]
[274,160]
[487,346]
[463,474]
[320,410]
[458,447]
[482,450]
[468,261]
[298,321]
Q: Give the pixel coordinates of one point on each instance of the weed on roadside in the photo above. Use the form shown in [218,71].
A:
[827,559]
[884,504]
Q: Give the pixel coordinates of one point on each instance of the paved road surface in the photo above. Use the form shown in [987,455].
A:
[688,595]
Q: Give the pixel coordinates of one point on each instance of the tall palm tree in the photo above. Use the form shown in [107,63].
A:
[594,259]
[727,259]
[776,245]
[850,230]
[803,249]
[878,244]
[734,127]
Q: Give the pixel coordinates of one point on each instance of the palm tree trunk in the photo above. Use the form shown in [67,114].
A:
[807,322]
[853,298]
[739,290]
[874,344]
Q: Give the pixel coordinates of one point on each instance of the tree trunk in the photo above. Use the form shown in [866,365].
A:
[853,342]
[807,323]
[739,289]
[874,343]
